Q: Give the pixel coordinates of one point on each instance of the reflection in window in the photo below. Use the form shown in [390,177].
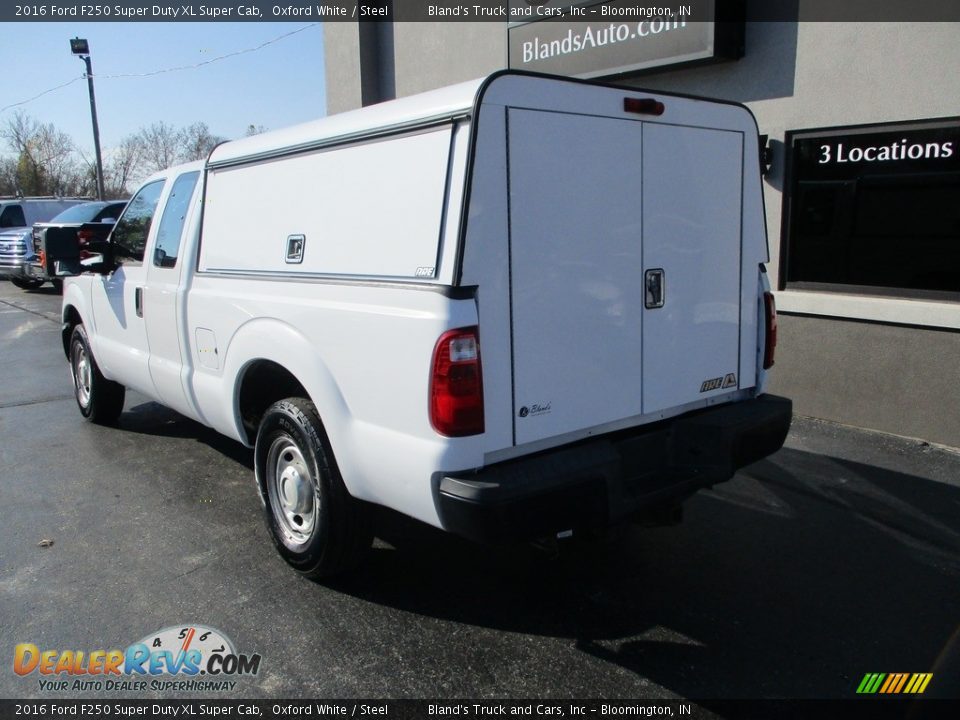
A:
[110,212]
[171,222]
[129,236]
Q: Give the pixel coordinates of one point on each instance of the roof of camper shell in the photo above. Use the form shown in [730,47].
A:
[396,114]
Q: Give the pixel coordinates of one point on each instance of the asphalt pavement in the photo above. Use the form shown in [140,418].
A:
[836,557]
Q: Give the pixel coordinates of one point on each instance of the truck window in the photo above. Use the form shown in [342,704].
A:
[129,237]
[112,211]
[12,216]
[82,213]
[171,222]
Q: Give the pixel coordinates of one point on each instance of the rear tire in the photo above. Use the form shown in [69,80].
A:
[100,400]
[316,525]
[26,283]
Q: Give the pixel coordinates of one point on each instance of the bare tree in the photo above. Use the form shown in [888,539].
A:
[123,167]
[8,176]
[197,141]
[46,164]
[161,145]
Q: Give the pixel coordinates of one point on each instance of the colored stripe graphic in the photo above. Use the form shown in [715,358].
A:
[892,680]
[912,683]
[903,679]
[894,683]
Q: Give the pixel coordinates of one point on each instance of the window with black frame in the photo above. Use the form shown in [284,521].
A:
[874,210]
[129,236]
[171,223]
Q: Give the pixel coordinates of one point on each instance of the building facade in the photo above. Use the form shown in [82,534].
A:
[862,192]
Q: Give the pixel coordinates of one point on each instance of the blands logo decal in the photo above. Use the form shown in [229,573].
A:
[535,409]
[727,381]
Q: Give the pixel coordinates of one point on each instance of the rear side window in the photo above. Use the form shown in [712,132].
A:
[111,211]
[12,216]
[78,213]
[171,222]
[129,237]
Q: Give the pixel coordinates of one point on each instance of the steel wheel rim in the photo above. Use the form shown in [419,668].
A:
[81,374]
[292,490]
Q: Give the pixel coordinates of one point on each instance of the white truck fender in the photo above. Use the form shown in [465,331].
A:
[276,341]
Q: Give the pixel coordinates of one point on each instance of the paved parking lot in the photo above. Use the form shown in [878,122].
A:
[836,557]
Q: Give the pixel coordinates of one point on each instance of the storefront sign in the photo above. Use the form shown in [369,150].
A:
[848,152]
[874,209]
[609,38]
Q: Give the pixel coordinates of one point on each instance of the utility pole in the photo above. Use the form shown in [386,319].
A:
[81,48]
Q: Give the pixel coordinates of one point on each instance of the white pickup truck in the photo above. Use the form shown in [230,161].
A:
[509,308]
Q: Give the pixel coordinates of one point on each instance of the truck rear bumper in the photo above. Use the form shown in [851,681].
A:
[601,481]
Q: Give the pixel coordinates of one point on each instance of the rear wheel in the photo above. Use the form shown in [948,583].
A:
[100,400]
[317,526]
[26,283]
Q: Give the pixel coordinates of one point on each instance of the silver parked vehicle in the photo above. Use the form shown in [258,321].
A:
[17,216]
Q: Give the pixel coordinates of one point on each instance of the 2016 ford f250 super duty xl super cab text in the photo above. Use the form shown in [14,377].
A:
[507,308]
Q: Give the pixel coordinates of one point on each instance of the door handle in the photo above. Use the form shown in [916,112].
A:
[138,301]
[654,289]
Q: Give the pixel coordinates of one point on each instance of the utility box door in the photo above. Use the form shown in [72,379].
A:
[692,210]
[575,271]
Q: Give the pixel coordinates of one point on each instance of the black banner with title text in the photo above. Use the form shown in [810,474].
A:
[502,11]
[873,708]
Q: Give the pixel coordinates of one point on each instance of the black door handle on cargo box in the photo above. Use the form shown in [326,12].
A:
[655,289]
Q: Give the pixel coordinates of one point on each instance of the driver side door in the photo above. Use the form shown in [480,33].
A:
[120,340]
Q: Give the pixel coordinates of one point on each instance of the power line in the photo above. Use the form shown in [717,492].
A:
[165,70]
[45,92]
[211,60]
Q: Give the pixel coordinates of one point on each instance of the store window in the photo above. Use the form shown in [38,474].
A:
[874,210]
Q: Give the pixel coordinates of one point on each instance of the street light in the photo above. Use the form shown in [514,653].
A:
[81,48]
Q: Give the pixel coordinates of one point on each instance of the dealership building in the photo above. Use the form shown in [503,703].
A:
[860,126]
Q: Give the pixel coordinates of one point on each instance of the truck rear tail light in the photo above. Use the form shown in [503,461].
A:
[456,384]
[770,345]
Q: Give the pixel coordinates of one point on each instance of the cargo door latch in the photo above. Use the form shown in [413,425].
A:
[655,288]
[295,246]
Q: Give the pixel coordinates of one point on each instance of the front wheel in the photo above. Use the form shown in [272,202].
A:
[317,526]
[100,400]
[26,283]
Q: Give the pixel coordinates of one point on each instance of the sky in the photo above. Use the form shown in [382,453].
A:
[279,85]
